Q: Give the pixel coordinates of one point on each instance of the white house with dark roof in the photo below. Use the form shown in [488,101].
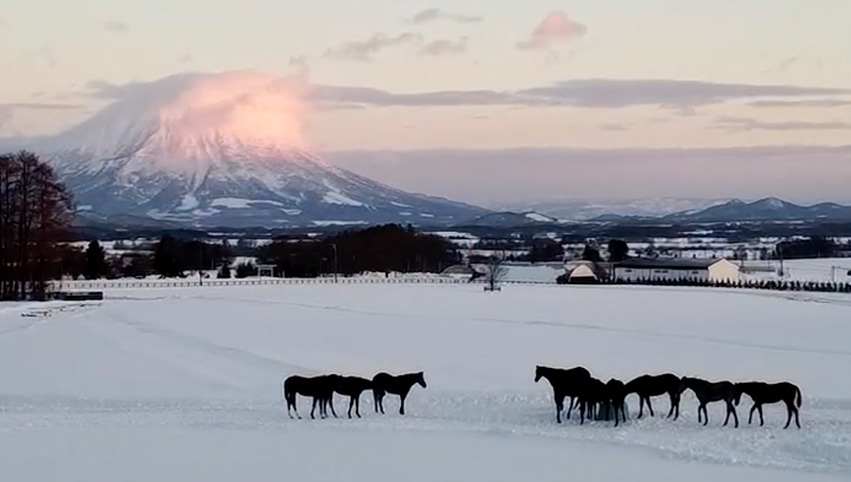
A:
[636,269]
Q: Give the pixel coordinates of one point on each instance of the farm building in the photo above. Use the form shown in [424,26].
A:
[583,272]
[676,269]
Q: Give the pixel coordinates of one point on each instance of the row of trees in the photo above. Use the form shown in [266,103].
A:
[36,211]
[773,285]
[378,249]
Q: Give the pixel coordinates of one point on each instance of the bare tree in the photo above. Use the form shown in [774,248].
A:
[496,271]
[35,213]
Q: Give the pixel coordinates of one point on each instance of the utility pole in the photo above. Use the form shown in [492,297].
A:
[334,245]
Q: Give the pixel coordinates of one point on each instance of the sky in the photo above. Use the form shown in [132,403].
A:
[437,82]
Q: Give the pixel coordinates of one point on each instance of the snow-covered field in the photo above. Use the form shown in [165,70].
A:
[833,270]
[184,384]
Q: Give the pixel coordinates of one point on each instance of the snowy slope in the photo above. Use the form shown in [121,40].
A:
[220,149]
[184,384]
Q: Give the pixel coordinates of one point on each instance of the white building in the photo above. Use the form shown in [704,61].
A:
[637,269]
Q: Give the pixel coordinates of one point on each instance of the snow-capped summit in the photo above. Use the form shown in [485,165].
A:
[220,149]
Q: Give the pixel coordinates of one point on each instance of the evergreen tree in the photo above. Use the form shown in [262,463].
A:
[96,267]
[168,261]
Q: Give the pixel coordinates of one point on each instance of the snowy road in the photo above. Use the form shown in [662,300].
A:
[185,384]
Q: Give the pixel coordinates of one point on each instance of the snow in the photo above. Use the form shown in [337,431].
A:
[184,384]
[816,269]
[232,203]
[339,198]
[539,217]
[188,203]
[338,223]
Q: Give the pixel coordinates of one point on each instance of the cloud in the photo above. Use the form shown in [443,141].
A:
[748,124]
[826,103]
[365,50]
[614,127]
[435,14]
[556,27]
[185,58]
[439,48]
[3,26]
[301,66]
[678,95]
[116,26]
[8,110]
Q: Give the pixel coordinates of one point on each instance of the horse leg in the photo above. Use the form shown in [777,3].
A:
[673,402]
[728,416]
[640,406]
[312,410]
[750,418]
[735,414]
[788,415]
[569,407]
[761,420]
[797,422]
[351,402]
[678,408]
[357,406]
[650,407]
[331,403]
[402,396]
[559,408]
[705,415]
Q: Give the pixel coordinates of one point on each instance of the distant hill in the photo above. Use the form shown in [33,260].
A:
[767,209]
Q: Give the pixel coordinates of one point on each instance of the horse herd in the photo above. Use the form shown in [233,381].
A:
[589,393]
[586,393]
[322,388]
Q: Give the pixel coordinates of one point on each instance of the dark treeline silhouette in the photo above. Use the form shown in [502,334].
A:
[173,256]
[812,247]
[378,249]
[773,285]
[36,212]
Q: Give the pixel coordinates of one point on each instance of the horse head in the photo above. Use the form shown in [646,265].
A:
[539,372]
[738,390]
[687,382]
[421,379]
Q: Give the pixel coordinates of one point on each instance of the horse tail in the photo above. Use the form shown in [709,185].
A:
[797,396]
[284,393]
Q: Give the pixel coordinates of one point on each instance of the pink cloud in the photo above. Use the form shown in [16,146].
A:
[556,27]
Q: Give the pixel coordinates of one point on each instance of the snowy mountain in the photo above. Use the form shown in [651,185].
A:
[767,209]
[581,210]
[510,219]
[220,150]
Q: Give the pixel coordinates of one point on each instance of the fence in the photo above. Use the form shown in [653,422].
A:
[141,284]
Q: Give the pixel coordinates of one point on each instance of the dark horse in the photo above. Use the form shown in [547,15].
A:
[592,392]
[565,383]
[713,392]
[647,386]
[762,393]
[616,395]
[384,383]
[351,387]
[321,388]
